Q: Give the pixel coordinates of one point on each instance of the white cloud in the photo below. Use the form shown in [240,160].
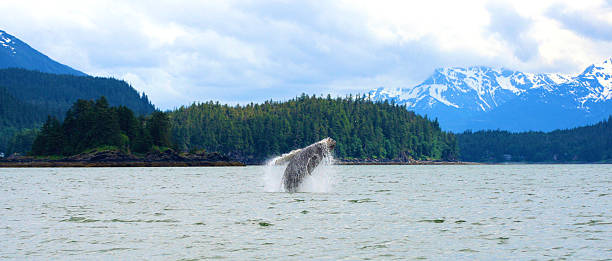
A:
[237,51]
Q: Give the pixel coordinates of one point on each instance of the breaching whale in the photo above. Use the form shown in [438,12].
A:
[303,161]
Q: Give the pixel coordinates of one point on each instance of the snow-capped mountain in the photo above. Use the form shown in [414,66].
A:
[487,98]
[16,54]
[594,84]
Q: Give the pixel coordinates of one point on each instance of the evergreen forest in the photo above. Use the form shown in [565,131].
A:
[584,144]
[363,129]
[28,97]
[94,124]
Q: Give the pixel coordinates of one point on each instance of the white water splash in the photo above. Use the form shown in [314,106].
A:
[321,180]
[273,177]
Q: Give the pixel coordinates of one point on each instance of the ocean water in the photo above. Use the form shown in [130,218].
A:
[346,212]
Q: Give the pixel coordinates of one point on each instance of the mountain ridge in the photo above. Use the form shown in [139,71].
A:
[472,97]
[15,53]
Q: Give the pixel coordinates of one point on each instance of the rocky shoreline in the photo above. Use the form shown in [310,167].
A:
[170,158]
[416,162]
[115,158]
[402,161]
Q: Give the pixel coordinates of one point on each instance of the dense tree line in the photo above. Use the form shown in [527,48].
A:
[584,144]
[17,114]
[91,124]
[18,140]
[54,93]
[362,129]
[27,97]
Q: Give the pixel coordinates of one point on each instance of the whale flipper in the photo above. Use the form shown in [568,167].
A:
[285,157]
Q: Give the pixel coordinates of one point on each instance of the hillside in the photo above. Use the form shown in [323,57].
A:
[362,129]
[33,86]
[591,143]
[16,54]
[28,97]
[490,98]
[54,94]
[16,113]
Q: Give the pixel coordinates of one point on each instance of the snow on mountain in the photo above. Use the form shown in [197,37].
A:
[479,90]
[595,82]
[474,88]
[17,54]
[7,42]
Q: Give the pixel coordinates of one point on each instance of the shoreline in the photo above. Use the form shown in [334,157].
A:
[120,164]
[410,163]
[107,164]
[430,163]
[123,164]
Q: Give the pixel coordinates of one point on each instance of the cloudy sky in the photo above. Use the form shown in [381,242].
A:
[179,52]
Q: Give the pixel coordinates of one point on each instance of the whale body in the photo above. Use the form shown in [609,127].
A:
[302,162]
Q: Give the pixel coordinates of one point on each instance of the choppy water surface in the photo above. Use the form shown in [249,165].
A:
[378,212]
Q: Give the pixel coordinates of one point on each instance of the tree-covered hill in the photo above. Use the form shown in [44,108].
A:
[55,93]
[362,129]
[16,113]
[584,144]
[28,97]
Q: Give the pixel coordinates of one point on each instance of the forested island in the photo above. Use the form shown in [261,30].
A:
[46,114]
[365,131]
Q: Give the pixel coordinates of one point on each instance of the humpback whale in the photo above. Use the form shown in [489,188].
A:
[302,162]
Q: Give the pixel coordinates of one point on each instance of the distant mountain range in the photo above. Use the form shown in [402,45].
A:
[16,54]
[487,98]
